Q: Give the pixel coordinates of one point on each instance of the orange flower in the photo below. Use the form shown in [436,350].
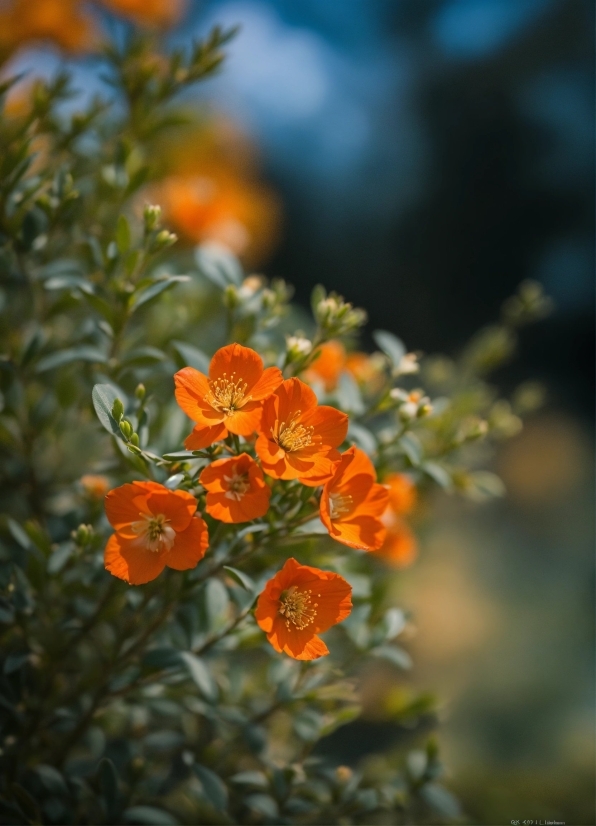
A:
[366,370]
[298,603]
[352,503]
[63,21]
[298,437]
[148,12]
[400,548]
[402,493]
[236,490]
[326,368]
[230,400]
[155,527]
[94,486]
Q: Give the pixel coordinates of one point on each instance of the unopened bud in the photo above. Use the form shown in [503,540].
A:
[140,392]
[83,534]
[230,297]
[343,774]
[425,410]
[164,239]
[152,217]
[117,410]
[297,347]
[126,428]
[134,439]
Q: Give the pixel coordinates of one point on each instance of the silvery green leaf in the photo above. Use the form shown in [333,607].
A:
[441,800]
[410,444]
[173,481]
[104,396]
[251,778]
[214,788]
[394,622]
[192,356]
[14,661]
[262,804]
[200,675]
[362,437]
[217,263]
[241,578]
[156,289]
[391,345]
[82,353]
[149,816]
[349,396]
[394,655]
[438,473]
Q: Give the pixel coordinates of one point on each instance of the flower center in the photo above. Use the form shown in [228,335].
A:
[339,505]
[293,436]
[296,607]
[238,485]
[154,532]
[227,393]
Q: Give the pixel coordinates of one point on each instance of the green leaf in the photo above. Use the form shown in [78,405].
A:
[362,437]
[441,800]
[410,444]
[19,534]
[394,655]
[138,299]
[438,473]
[251,778]
[191,356]
[143,355]
[179,454]
[391,345]
[163,657]
[217,264]
[51,779]
[149,815]
[262,804]
[200,675]
[108,784]
[104,396]
[26,802]
[14,661]
[213,787]
[82,353]
[123,235]
[241,578]
[318,294]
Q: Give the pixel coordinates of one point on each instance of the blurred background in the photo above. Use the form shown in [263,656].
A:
[422,157]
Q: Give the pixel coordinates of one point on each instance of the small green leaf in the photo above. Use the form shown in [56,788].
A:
[51,779]
[200,675]
[241,578]
[123,234]
[410,444]
[108,784]
[213,787]
[391,345]
[156,289]
[394,655]
[251,778]
[104,396]
[149,816]
[191,356]
[83,353]
[217,264]
[14,661]
[438,473]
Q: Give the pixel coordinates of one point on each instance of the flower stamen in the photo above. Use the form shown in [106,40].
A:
[339,505]
[293,436]
[238,485]
[296,607]
[154,532]
[227,394]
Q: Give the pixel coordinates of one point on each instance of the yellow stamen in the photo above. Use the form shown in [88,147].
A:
[296,607]
[339,505]
[293,436]
[154,532]
[238,485]
[228,394]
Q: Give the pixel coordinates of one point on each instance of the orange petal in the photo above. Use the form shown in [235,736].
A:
[268,383]
[363,532]
[330,425]
[189,546]
[250,506]
[126,560]
[234,358]
[125,504]
[192,387]
[246,421]
[204,436]
[178,506]
[293,396]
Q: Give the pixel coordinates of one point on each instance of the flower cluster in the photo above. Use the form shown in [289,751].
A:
[287,436]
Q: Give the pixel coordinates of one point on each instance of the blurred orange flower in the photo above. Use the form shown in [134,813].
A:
[230,400]
[402,493]
[65,22]
[154,527]
[236,489]
[366,369]
[148,12]
[94,486]
[298,603]
[352,503]
[400,548]
[326,368]
[298,438]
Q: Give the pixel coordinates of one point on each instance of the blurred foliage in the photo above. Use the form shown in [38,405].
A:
[164,703]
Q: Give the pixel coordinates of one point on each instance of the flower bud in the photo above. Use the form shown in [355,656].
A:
[152,217]
[126,429]
[83,535]
[230,297]
[117,409]
[163,239]
[336,316]
[134,439]
[297,347]
[140,392]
